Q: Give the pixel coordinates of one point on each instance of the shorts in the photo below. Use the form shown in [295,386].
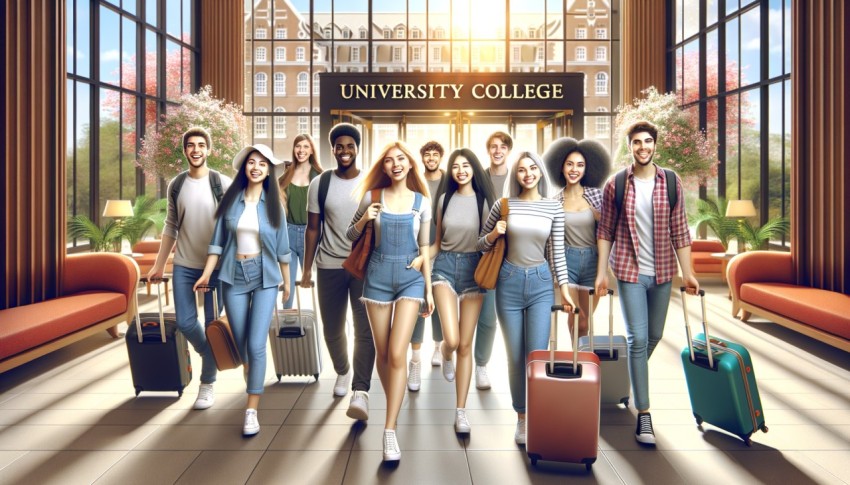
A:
[457,271]
[581,265]
[388,279]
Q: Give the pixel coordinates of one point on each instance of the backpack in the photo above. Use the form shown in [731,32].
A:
[620,189]
[215,185]
[324,184]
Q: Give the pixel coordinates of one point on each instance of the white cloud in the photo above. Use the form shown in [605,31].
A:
[79,54]
[110,55]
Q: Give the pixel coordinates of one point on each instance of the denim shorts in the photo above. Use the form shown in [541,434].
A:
[581,265]
[457,271]
[389,279]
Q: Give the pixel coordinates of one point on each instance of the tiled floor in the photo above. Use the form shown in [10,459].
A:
[72,417]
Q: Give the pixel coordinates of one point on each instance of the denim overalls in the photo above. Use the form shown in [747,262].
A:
[388,277]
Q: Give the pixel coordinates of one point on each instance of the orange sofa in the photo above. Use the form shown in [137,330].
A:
[763,284]
[98,293]
[703,263]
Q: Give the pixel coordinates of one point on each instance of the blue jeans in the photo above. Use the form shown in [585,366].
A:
[250,308]
[644,305]
[485,331]
[296,245]
[581,265]
[419,329]
[186,313]
[524,299]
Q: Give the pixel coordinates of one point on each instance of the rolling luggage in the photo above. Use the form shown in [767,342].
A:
[294,336]
[159,354]
[562,407]
[721,383]
[221,341]
[613,353]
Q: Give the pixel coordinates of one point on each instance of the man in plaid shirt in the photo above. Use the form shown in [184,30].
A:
[647,239]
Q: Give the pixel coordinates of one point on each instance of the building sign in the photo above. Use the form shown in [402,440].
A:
[468,91]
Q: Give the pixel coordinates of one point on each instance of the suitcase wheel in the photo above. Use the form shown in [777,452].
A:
[138,390]
[534,457]
[747,440]
[278,378]
[588,462]
[625,401]
[588,465]
[764,428]
[698,418]
[179,393]
[316,376]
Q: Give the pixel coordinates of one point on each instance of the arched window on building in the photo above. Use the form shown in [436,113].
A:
[279,83]
[261,81]
[303,81]
[601,83]
[279,124]
[261,124]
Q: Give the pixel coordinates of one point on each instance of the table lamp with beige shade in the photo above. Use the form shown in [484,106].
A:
[118,209]
[740,210]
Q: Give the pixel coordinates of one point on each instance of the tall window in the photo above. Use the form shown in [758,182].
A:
[261,124]
[581,33]
[279,33]
[261,54]
[300,54]
[603,123]
[601,53]
[581,54]
[280,54]
[355,54]
[316,83]
[262,81]
[303,121]
[260,34]
[279,124]
[601,84]
[279,83]
[303,81]
[110,108]
[742,94]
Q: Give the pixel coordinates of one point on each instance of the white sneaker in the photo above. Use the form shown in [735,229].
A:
[519,435]
[341,384]
[414,379]
[437,358]
[206,397]
[461,421]
[359,407]
[482,381]
[449,370]
[252,426]
[391,449]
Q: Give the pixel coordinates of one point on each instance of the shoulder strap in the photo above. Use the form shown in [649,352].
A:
[504,208]
[324,183]
[215,185]
[672,193]
[417,201]
[176,185]
[619,189]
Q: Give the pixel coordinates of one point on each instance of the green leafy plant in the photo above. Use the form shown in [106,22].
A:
[148,214]
[757,237]
[101,238]
[712,214]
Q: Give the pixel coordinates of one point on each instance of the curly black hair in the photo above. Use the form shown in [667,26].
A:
[597,160]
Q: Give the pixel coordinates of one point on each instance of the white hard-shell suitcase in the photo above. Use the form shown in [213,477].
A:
[294,337]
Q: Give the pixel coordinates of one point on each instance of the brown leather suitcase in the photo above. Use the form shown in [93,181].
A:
[562,408]
[221,341]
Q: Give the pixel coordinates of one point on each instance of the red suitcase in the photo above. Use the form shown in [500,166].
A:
[563,400]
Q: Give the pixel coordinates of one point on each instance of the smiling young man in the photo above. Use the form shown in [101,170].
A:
[499,146]
[432,156]
[330,207]
[193,197]
[646,240]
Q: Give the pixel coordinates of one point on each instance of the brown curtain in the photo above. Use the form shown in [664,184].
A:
[33,149]
[644,50]
[820,180]
[223,44]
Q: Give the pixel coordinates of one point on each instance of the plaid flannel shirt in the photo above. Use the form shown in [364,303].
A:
[670,229]
[592,195]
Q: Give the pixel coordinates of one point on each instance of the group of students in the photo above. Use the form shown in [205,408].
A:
[430,228]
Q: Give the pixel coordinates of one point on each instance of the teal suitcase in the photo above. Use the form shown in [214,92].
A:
[721,383]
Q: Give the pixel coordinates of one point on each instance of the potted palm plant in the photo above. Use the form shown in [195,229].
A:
[712,214]
[148,214]
[757,237]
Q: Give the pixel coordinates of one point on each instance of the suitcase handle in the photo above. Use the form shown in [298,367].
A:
[553,338]
[610,293]
[214,295]
[298,308]
[708,351]
[161,316]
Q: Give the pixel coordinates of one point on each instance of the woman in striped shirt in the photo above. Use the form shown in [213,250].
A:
[524,295]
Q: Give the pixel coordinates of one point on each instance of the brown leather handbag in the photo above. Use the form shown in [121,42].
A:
[221,341]
[487,271]
[361,249]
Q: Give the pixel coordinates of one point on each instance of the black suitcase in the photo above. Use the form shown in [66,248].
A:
[159,354]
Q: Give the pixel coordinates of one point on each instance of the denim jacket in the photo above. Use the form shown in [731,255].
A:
[274,242]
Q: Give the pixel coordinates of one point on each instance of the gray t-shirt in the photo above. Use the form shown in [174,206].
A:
[194,211]
[580,229]
[459,229]
[498,183]
[339,209]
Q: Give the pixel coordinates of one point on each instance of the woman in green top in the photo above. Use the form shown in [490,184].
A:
[293,194]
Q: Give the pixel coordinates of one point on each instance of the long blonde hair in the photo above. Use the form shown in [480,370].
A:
[376,178]
[285,179]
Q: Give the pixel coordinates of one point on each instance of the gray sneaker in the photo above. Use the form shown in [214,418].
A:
[359,407]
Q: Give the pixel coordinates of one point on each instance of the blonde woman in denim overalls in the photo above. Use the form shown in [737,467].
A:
[394,289]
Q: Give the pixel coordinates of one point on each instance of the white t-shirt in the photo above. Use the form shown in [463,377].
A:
[645,225]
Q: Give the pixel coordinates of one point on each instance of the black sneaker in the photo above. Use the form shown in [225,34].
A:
[643,431]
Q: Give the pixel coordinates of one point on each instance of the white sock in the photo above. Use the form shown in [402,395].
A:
[415,357]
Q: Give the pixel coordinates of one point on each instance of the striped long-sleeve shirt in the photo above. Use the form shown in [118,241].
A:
[532,226]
